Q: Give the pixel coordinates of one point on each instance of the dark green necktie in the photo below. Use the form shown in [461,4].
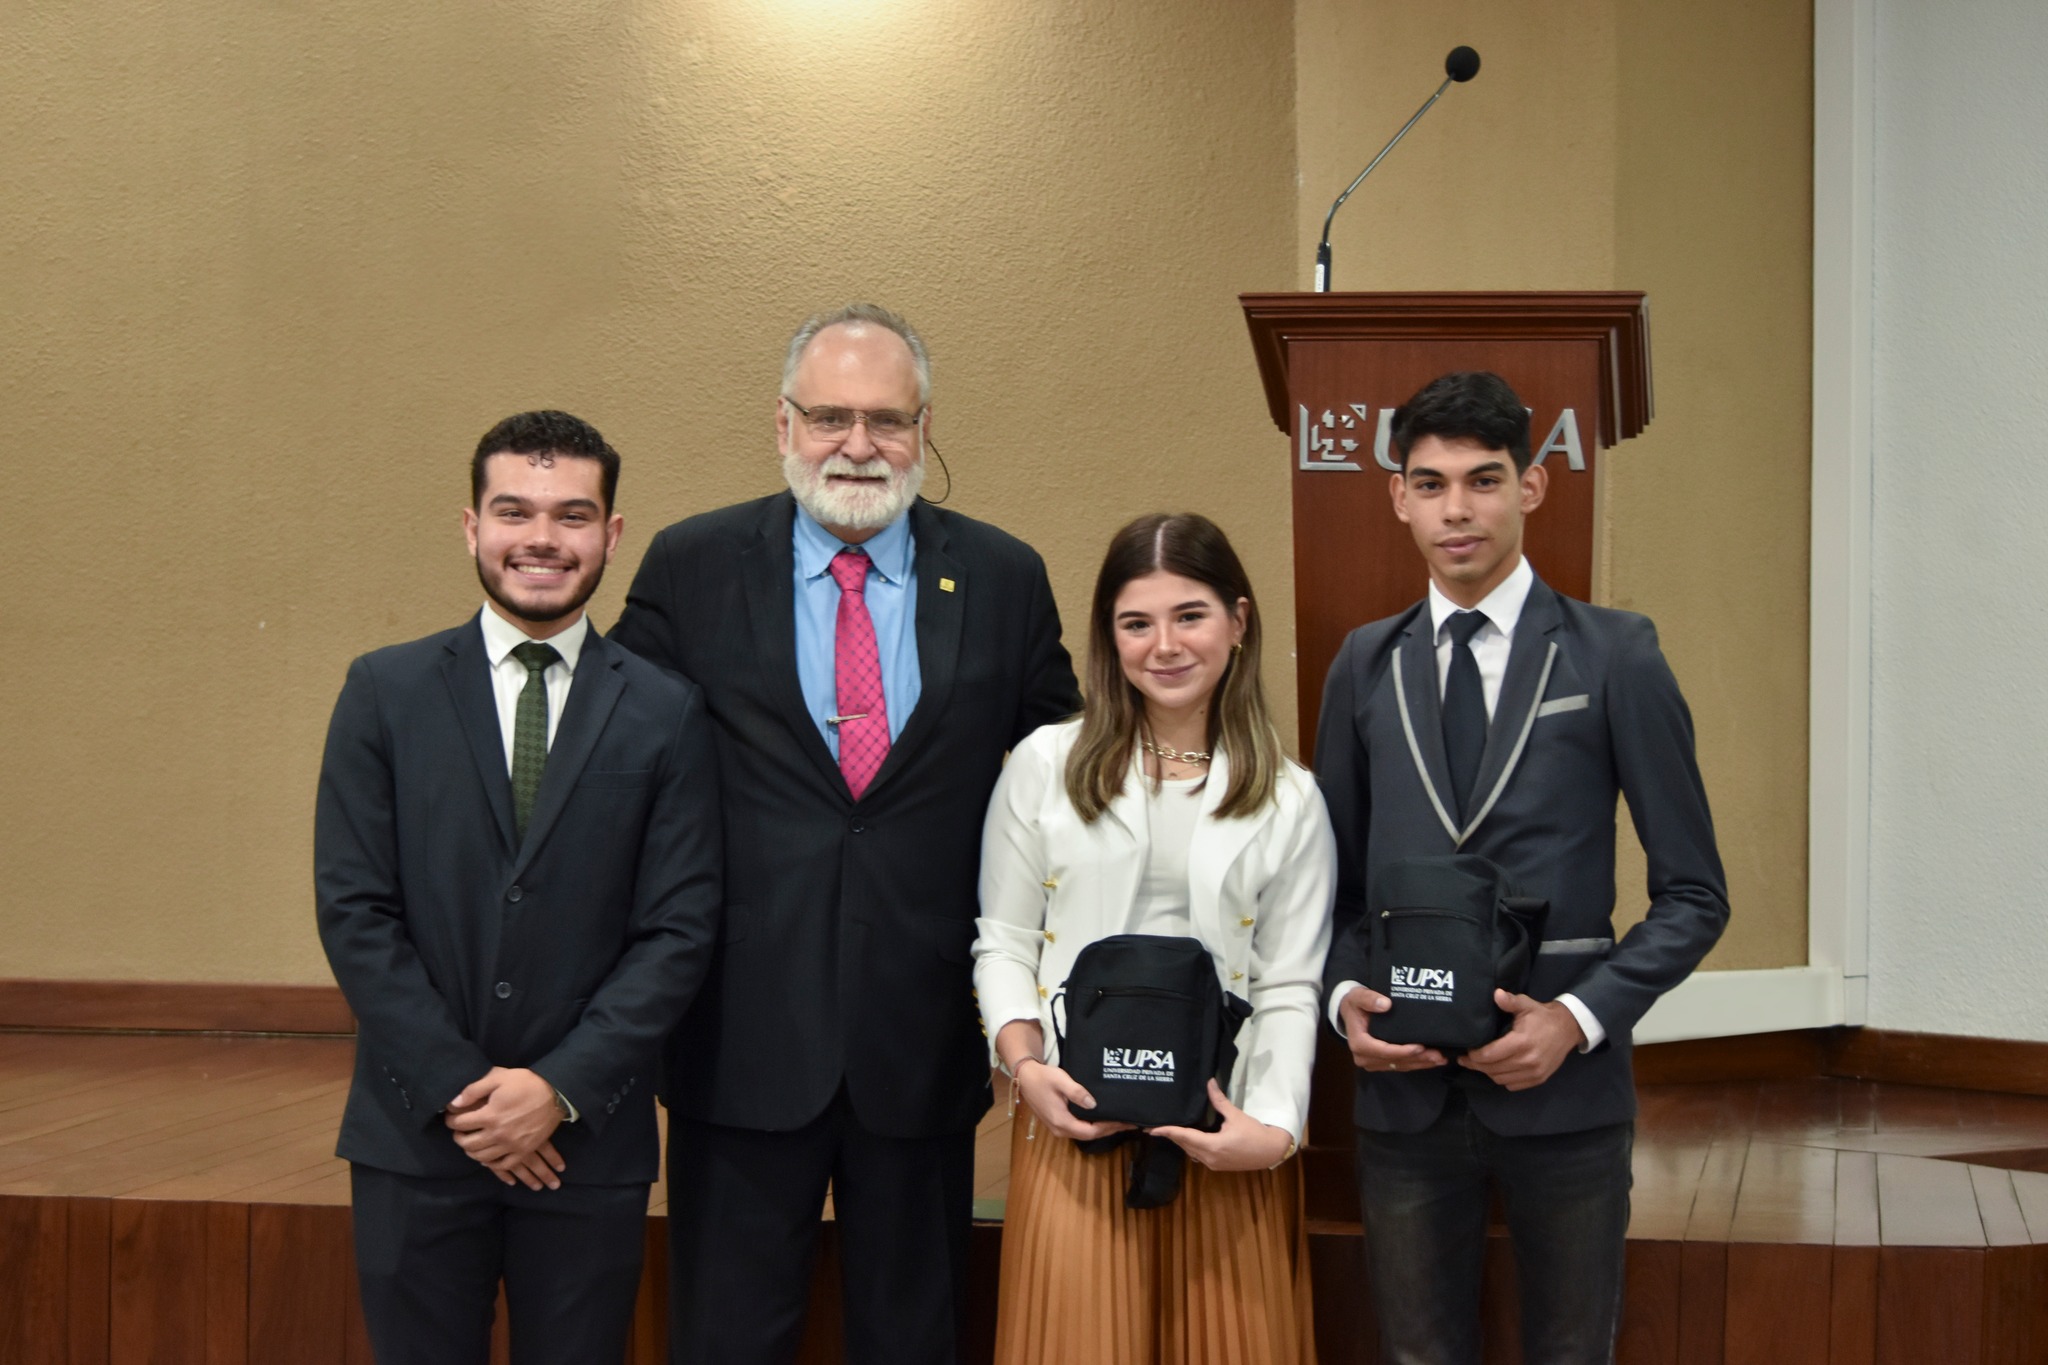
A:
[530,729]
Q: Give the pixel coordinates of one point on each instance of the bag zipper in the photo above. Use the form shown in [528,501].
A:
[1421,912]
[1156,992]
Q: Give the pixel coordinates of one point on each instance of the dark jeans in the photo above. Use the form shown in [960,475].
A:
[430,1253]
[743,1218]
[1425,1200]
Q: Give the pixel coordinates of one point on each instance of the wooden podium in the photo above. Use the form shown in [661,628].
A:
[1335,367]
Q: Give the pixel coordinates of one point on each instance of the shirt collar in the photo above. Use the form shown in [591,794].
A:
[888,549]
[1502,606]
[501,637]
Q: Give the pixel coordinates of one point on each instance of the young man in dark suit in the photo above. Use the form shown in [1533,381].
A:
[516,860]
[867,659]
[1499,718]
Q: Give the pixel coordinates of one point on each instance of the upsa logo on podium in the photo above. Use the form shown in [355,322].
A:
[1330,440]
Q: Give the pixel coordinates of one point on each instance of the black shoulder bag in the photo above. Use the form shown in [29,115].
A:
[1442,933]
[1146,1025]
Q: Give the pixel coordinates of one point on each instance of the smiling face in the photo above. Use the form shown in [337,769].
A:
[541,537]
[1173,639]
[853,484]
[1464,504]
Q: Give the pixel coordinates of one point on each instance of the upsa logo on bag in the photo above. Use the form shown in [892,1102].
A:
[1137,1064]
[1422,983]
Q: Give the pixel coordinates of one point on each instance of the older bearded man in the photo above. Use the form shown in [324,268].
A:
[867,659]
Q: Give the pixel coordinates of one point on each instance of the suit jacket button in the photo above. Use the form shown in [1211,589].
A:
[1049,936]
[612,1108]
[515,895]
[504,990]
[1245,923]
[858,827]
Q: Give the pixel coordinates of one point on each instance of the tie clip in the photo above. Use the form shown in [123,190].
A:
[834,720]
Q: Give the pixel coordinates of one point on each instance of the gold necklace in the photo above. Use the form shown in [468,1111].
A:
[1174,755]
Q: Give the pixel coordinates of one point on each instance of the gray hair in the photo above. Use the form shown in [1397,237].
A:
[859,315]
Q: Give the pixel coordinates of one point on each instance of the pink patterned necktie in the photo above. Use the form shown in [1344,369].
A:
[857,676]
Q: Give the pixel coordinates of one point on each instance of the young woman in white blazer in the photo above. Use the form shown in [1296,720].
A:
[1167,807]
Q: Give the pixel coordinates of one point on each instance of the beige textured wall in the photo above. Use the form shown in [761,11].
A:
[270,270]
[1629,144]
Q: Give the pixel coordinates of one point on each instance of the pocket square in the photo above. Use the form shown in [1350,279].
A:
[1561,704]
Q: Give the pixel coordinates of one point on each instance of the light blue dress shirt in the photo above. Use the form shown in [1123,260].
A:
[892,606]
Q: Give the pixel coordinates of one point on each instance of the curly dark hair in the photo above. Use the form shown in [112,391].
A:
[544,435]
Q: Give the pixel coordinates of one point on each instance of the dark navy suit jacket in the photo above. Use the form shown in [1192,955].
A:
[572,952]
[845,957]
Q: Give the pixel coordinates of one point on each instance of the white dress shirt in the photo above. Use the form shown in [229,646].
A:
[508,675]
[508,680]
[1502,609]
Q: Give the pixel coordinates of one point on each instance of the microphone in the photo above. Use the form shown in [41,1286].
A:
[1461,65]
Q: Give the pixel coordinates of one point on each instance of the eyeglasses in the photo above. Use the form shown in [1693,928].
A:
[886,426]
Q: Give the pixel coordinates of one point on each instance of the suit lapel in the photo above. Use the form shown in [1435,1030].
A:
[592,695]
[768,568]
[1422,715]
[1127,809]
[1531,656]
[1217,846]
[941,614]
[1126,826]
[467,672]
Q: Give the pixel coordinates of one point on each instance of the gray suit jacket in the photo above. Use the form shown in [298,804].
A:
[1588,710]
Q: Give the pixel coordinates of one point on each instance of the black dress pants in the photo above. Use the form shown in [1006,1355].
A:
[1425,1201]
[430,1253]
[744,1210]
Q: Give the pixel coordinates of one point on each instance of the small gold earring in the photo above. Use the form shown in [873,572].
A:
[1237,649]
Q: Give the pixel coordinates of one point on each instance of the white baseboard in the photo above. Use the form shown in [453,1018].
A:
[1724,1004]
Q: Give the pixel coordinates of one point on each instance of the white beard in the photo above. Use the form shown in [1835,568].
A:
[868,506]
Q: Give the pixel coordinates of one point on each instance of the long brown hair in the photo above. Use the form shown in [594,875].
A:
[1113,714]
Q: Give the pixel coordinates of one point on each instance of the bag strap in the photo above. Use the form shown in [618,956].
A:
[1155,1173]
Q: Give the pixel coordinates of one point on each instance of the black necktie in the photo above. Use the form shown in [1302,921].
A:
[1464,710]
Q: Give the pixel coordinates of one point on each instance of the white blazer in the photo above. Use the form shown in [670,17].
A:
[1259,891]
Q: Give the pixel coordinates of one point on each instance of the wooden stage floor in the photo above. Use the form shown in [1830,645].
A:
[174,1197]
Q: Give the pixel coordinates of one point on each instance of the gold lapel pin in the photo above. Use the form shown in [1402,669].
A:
[945,585]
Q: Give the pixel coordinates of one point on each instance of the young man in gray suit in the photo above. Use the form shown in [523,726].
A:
[516,860]
[1499,718]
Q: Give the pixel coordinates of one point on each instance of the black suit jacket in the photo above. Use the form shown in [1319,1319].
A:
[573,952]
[848,923]
[1588,710]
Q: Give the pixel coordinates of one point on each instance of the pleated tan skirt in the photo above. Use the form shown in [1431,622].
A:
[1218,1277]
